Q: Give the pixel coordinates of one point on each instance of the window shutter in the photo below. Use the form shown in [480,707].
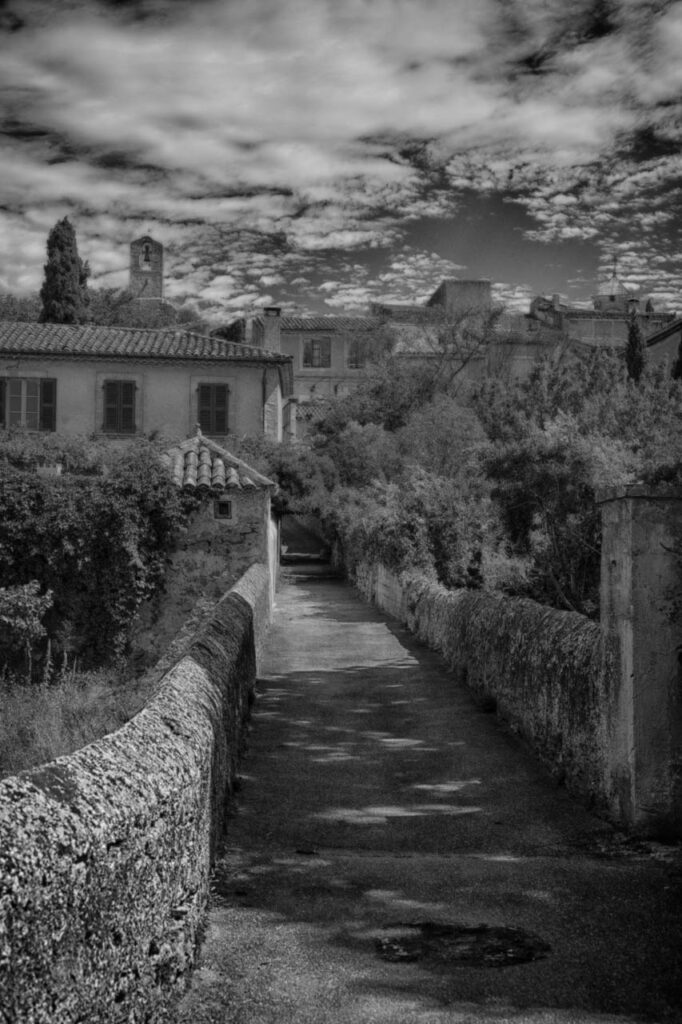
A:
[3,403]
[205,408]
[127,417]
[48,404]
[111,406]
[220,418]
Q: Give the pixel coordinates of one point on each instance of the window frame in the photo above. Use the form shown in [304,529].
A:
[120,407]
[210,415]
[319,362]
[46,408]
[359,362]
[219,510]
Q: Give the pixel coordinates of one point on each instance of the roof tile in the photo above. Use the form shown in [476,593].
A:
[125,342]
[201,463]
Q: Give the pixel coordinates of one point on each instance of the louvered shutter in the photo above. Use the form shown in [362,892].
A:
[205,410]
[127,407]
[48,404]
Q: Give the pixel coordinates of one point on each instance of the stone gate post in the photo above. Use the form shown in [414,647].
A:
[641,605]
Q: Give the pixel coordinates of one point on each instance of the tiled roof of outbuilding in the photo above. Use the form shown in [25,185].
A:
[90,340]
[201,463]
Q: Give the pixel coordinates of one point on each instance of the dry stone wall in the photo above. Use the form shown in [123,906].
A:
[105,854]
[550,674]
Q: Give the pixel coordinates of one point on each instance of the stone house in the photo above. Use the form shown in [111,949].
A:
[606,324]
[118,382]
[330,353]
[234,520]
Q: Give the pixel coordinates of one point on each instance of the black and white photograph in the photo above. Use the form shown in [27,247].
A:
[340,511]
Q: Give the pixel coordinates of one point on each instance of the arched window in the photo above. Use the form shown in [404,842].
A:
[146,256]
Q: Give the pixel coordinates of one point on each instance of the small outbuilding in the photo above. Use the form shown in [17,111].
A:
[234,519]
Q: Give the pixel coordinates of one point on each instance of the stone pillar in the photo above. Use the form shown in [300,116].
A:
[641,606]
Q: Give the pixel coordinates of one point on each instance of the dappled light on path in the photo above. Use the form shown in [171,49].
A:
[394,856]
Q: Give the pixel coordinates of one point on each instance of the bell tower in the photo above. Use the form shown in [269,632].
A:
[146,268]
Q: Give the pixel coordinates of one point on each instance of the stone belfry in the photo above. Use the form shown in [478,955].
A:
[146,268]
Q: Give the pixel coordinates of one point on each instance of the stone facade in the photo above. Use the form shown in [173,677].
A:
[163,372]
[234,520]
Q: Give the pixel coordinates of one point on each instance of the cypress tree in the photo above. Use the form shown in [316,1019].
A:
[677,367]
[64,293]
[635,351]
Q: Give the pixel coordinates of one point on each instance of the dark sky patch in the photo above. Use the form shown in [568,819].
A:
[21,129]
[599,21]
[536,63]
[9,19]
[648,144]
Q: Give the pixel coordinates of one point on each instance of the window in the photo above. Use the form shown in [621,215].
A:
[317,353]
[213,408]
[28,402]
[222,509]
[146,257]
[356,357]
[119,406]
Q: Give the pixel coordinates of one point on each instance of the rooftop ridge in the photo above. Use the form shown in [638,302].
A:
[125,342]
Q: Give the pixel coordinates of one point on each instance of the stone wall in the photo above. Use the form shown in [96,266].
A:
[549,674]
[105,854]
[239,541]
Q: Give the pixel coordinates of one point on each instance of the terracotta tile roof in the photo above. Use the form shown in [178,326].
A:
[126,343]
[201,463]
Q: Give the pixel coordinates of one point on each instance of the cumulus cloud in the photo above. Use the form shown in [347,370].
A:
[264,142]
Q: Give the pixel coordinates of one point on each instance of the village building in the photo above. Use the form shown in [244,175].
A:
[234,520]
[120,382]
[330,353]
[606,324]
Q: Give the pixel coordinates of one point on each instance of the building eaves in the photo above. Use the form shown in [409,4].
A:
[93,341]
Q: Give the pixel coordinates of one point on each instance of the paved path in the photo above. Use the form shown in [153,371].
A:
[378,802]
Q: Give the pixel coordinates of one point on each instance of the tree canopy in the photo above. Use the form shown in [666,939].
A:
[64,294]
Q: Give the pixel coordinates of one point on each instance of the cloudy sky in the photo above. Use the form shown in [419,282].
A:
[321,154]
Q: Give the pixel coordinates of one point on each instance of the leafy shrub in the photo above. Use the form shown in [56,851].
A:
[21,613]
[98,543]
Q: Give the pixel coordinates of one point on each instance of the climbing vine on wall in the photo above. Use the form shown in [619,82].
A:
[99,544]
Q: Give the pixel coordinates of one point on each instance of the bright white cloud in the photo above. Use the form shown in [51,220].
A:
[309,128]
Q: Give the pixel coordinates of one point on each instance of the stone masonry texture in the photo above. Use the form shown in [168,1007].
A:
[550,675]
[105,854]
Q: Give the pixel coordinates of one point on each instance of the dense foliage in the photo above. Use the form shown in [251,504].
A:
[64,293]
[97,543]
[493,487]
[635,349]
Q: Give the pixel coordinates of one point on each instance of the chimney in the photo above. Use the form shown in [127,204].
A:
[271,328]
